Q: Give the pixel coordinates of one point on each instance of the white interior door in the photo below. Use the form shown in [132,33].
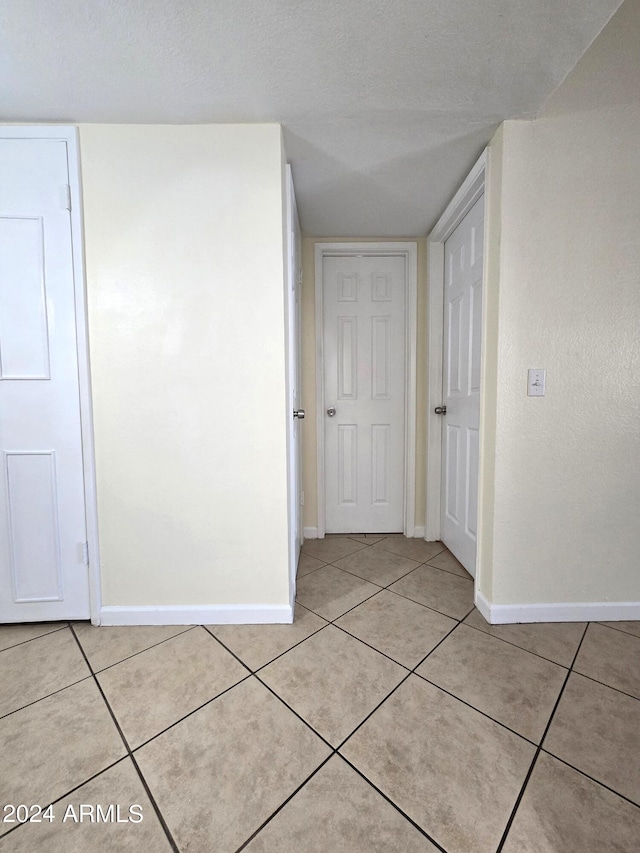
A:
[294,280]
[364,392]
[43,571]
[461,386]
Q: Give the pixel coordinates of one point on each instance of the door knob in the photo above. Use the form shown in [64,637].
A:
[298,413]
[440,410]
[331,412]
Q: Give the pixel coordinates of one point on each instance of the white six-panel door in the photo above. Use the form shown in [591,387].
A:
[364,381]
[461,386]
[43,572]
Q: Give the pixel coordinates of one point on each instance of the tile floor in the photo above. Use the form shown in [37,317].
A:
[388,717]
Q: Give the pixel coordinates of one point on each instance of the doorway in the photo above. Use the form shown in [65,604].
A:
[456,273]
[365,390]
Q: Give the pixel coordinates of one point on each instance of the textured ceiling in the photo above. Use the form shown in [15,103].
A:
[385,103]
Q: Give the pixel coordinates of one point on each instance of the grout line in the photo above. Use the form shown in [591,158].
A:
[515,645]
[466,616]
[441,612]
[439,643]
[68,793]
[304,607]
[271,690]
[368,580]
[142,651]
[446,572]
[293,711]
[321,566]
[295,645]
[331,621]
[620,630]
[344,557]
[226,648]
[380,537]
[53,693]
[262,666]
[344,571]
[282,805]
[384,589]
[191,713]
[352,574]
[539,748]
[604,684]
[369,646]
[464,702]
[370,714]
[395,806]
[473,708]
[400,683]
[155,805]
[312,572]
[368,598]
[466,577]
[423,562]
[91,671]
[426,606]
[152,800]
[31,639]
[592,778]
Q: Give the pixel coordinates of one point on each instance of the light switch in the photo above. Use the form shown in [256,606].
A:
[536,382]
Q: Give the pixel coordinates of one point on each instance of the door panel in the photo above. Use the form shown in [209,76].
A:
[43,574]
[364,380]
[24,336]
[461,384]
[33,529]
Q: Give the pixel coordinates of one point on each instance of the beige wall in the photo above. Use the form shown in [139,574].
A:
[309,467]
[564,523]
[184,260]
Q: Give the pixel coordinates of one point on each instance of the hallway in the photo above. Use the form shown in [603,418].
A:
[388,717]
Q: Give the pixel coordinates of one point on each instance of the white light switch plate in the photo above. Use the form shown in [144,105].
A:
[536,382]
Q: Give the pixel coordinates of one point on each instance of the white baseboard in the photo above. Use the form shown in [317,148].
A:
[418,531]
[580,611]
[482,604]
[195,614]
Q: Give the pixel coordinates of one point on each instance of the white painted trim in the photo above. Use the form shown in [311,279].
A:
[408,249]
[291,286]
[310,532]
[460,205]
[69,135]
[419,531]
[482,604]
[411,391]
[579,611]
[195,614]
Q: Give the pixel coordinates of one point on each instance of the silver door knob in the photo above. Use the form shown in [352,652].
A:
[298,413]
[331,412]
[440,410]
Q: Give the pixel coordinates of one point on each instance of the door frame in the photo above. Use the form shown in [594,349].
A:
[69,135]
[409,251]
[293,367]
[462,202]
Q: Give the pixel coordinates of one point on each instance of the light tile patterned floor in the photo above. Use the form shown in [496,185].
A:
[389,718]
